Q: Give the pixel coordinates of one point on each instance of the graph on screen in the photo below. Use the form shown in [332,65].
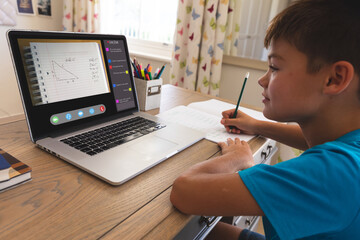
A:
[68,70]
[61,73]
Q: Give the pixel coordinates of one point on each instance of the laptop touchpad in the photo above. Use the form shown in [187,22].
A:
[154,146]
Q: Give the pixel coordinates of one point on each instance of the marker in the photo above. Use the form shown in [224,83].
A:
[142,73]
[146,74]
[149,72]
[241,93]
[156,73]
[161,71]
[135,69]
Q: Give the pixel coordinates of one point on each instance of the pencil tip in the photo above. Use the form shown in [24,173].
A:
[247,75]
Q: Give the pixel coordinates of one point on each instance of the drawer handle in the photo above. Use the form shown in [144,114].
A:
[208,220]
[266,153]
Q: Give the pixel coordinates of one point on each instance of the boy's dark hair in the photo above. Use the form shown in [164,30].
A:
[326,31]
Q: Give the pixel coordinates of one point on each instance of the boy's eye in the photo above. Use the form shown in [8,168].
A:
[272,68]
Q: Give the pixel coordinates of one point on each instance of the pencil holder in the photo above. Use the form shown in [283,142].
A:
[149,93]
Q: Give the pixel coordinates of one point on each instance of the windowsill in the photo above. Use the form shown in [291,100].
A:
[162,52]
[152,56]
[151,50]
[245,62]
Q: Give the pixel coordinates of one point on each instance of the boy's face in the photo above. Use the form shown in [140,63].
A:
[291,94]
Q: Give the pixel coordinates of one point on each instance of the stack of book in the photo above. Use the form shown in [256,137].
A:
[12,171]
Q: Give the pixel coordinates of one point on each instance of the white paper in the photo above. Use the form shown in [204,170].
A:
[216,107]
[206,116]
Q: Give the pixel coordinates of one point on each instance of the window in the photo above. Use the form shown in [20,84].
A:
[255,16]
[149,24]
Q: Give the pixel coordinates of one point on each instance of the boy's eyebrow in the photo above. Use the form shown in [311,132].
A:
[274,55]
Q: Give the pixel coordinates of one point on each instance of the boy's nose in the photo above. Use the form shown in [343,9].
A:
[263,81]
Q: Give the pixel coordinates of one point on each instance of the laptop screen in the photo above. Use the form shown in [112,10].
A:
[70,79]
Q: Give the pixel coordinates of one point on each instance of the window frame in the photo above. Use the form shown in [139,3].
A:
[145,48]
[139,47]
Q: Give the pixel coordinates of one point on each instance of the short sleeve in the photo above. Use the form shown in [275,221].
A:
[308,195]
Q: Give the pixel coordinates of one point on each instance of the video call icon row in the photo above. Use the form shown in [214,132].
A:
[77,114]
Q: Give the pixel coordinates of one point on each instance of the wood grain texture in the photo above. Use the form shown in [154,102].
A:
[64,202]
[159,219]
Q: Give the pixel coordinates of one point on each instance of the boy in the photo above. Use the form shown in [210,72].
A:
[313,80]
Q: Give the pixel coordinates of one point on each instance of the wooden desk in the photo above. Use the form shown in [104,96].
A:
[64,202]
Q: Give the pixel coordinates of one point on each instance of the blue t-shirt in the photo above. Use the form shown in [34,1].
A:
[313,196]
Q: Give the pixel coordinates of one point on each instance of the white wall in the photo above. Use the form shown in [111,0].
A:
[10,103]
[232,78]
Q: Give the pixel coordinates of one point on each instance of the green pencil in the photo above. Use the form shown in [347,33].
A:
[241,93]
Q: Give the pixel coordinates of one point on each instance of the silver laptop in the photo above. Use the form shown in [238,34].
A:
[80,102]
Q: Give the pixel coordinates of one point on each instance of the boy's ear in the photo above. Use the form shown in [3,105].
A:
[341,74]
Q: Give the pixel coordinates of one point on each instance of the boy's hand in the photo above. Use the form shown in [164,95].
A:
[238,152]
[243,123]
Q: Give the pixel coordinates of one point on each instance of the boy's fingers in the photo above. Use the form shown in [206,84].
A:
[221,144]
[244,143]
[228,113]
[232,130]
[230,141]
[225,114]
[228,121]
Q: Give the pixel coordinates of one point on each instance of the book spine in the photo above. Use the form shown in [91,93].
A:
[17,167]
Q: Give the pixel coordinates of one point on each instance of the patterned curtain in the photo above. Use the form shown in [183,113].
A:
[81,16]
[232,28]
[199,44]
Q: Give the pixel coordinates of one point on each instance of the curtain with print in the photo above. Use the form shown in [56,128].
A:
[81,16]
[199,44]
[232,28]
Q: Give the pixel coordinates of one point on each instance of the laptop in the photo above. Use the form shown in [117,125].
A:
[80,103]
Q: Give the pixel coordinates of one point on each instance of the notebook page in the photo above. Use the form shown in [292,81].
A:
[208,123]
[216,107]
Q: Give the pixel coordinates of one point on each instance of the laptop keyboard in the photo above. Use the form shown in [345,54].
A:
[99,140]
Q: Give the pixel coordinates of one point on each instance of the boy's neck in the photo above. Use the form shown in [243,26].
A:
[330,125]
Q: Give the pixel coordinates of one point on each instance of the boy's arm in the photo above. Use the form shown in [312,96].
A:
[289,134]
[214,187]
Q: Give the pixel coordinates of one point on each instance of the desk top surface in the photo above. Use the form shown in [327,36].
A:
[64,202]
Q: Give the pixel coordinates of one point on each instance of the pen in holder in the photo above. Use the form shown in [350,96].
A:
[149,93]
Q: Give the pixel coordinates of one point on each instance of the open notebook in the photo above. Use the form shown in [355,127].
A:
[206,115]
